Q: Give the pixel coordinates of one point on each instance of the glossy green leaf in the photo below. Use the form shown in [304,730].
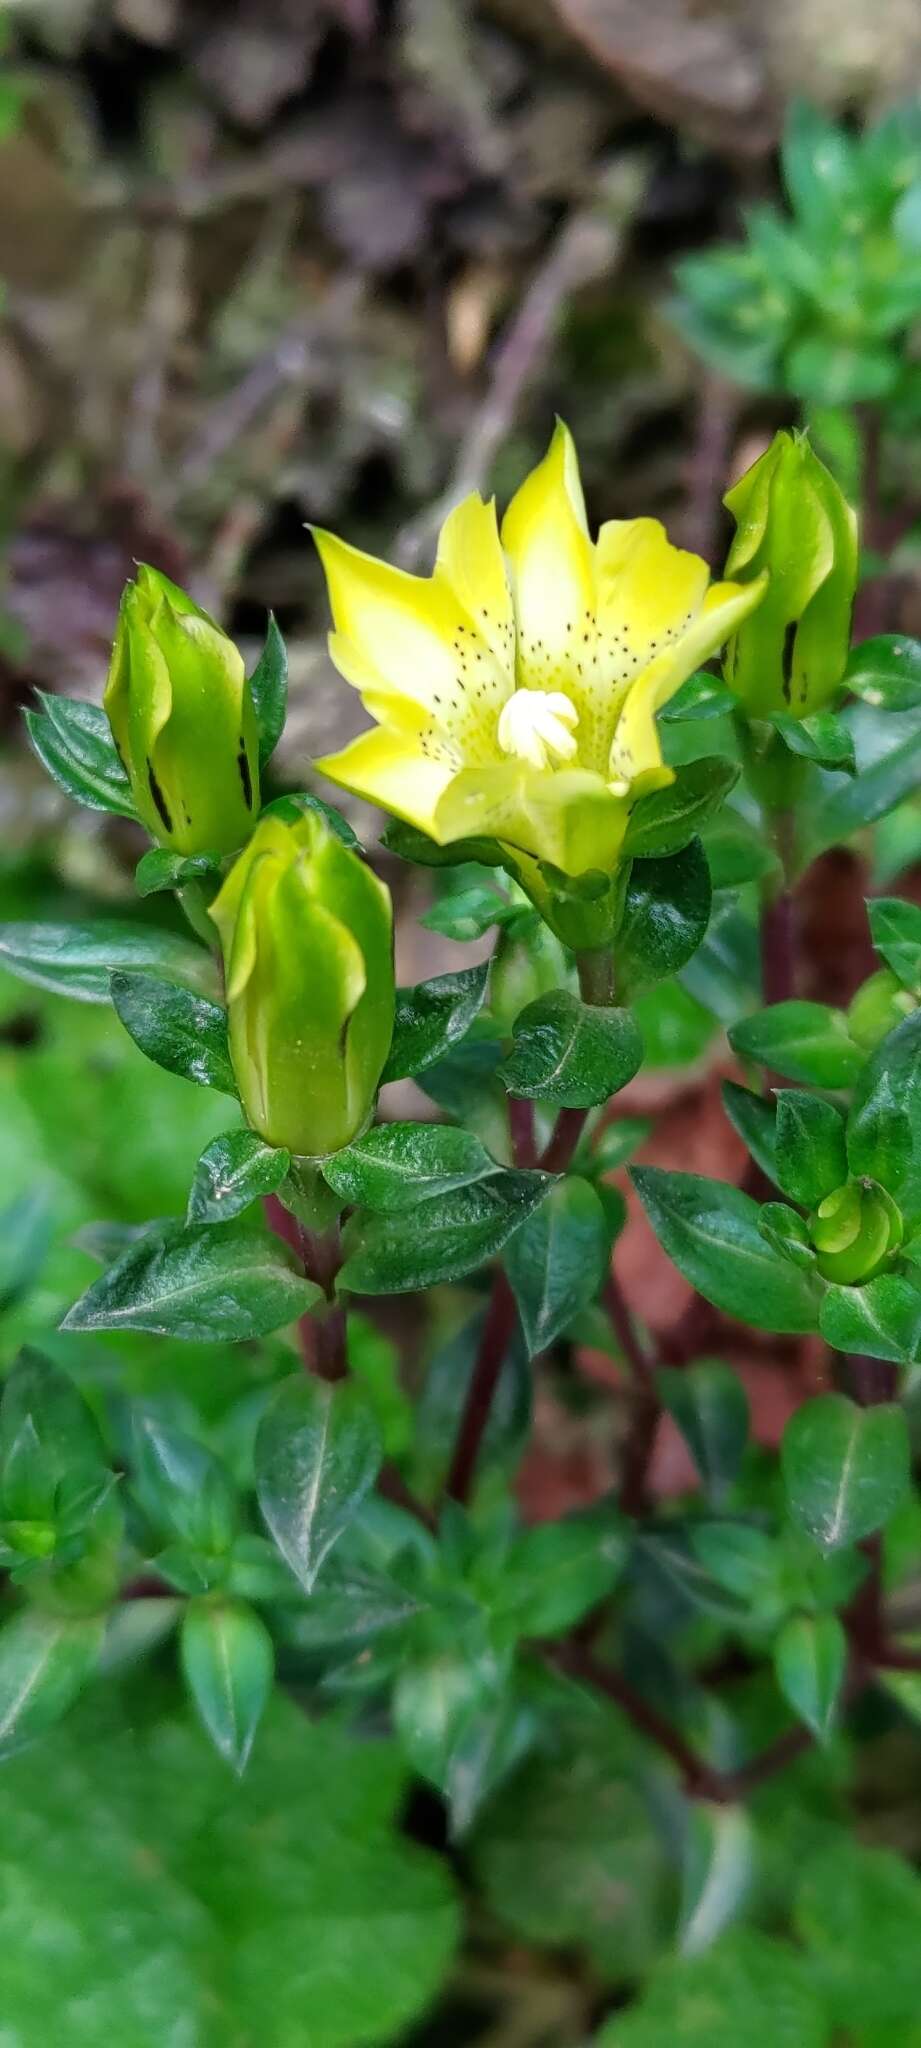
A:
[666,913]
[810,1146]
[394,1167]
[196,1282]
[317,1454]
[666,821]
[228,1663]
[79,959]
[786,1230]
[233,1172]
[571,1053]
[702,696]
[886,671]
[292,806]
[708,1403]
[45,1661]
[468,913]
[803,1041]
[185,1491]
[755,1119]
[711,1232]
[449,1237]
[444,1392]
[47,1434]
[883,779]
[160,869]
[432,1017]
[557,1572]
[180,1031]
[884,1125]
[823,738]
[810,1660]
[269,691]
[895,928]
[718,1864]
[557,1260]
[846,1469]
[737,852]
[73,741]
[25,1236]
[881,1319]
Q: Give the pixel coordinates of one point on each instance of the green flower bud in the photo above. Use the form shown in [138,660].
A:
[793,520]
[856,1230]
[307,936]
[183,721]
[879,1005]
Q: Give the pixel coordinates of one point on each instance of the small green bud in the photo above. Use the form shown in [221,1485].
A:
[183,721]
[307,936]
[793,520]
[879,1005]
[856,1231]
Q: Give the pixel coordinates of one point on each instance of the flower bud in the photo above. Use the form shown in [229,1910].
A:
[183,721]
[793,520]
[879,1005]
[855,1231]
[307,936]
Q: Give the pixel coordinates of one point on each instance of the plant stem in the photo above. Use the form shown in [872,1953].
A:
[521,1128]
[494,1342]
[321,1338]
[778,949]
[596,977]
[566,1134]
[641,1436]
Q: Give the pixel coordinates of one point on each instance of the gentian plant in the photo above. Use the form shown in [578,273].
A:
[682,1682]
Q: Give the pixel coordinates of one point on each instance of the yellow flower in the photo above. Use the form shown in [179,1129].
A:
[516,688]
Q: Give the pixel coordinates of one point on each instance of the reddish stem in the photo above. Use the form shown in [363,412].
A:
[567,1131]
[521,1128]
[494,1342]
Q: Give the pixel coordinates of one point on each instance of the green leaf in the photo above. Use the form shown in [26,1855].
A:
[666,913]
[228,1663]
[47,1434]
[468,913]
[160,869]
[557,1260]
[450,1237]
[823,738]
[444,1393]
[883,779]
[73,741]
[460,1730]
[613,1145]
[895,928]
[269,690]
[709,1405]
[25,1237]
[667,820]
[45,1661]
[233,1172]
[881,1319]
[711,1232]
[714,2000]
[803,1041]
[785,1229]
[846,1469]
[811,1150]
[884,1125]
[432,1017]
[292,806]
[394,1167]
[553,1574]
[755,1118]
[180,1031]
[886,672]
[858,1911]
[571,1053]
[79,959]
[568,1858]
[284,1909]
[736,852]
[317,1454]
[702,696]
[187,1495]
[810,1660]
[196,1282]
[717,1868]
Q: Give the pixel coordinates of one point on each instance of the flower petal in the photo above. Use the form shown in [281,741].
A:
[636,755]
[566,816]
[388,769]
[471,561]
[552,566]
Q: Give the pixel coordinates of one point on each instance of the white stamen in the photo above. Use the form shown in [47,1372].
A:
[539,726]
